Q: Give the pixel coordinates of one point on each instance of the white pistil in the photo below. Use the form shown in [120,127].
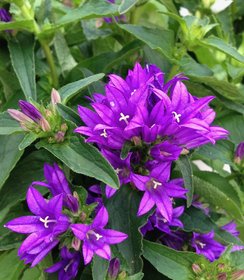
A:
[202,245]
[133,92]
[117,170]
[156,184]
[98,236]
[104,134]
[124,118]
[46,221]
[176,116]
[112,104]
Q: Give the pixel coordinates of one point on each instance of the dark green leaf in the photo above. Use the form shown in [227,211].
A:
[218,194]
[99,268]
[174,264]
[222,46]
[69,90]
[68,114]
[155,38]
[9,154]
[186,169]
[17,25]
[126,5]
[23,61]
[8,125]
[122,208]
[84,159]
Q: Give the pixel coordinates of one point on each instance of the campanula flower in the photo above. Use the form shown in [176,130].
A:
[4,15]
[96,239]
[239,154]
[231,228]
[43,227]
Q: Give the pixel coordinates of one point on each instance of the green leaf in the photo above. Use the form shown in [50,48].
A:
[194,220]
[68,91]
[23,61]
[218,193]
[8,125]
[185,167]
[65,59]
[84,159]
[126,5]
[17,25]
[10,266]
[14,189]
[28,140]
[122,208]
[9,154]
[99,268]
[68,114]
[169,4]
[155,38]
[222,46]
[174,264]
[126,149]
[91,9]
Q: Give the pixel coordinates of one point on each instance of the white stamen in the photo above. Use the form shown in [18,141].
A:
[98,236]
[104,134]
[46,221]
[202,245]
[124,118]
[117,170]
[156,184]
[176,116]
[133,92]
[112,104]
[153,125]
[164,220]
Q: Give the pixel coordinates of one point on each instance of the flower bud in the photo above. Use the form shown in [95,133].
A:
[45,126]
[55,97]
[238,275]
[222,276]
[113,269]
[196,268]
[30,110]
[239,154]
[64,127]
[76,243]
[19,116]
[59,136]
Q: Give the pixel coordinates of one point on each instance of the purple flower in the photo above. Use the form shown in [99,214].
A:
[4,15]
[58,184]
[196,203]
[231,228]
[239,154]
[30,110]
[113,269]
[109,19]
[159,191]
[95,196]
[96,239]
[44,228]
[68,266]
[204,244]
[175,240]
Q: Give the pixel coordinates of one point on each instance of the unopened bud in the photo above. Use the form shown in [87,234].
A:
[76,243]
[55,97]
[64,127]
[238,275]
[137,140]
[99,22]
[239,154]
[222,276]
[44,124]
[196,268]
[59,136]
[19,116]
[184,151]
[48,113]
[113,270]
[83,216]
[221,266]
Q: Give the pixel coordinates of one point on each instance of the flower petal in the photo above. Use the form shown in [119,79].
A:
[25,224]
[101,218]
[146,204]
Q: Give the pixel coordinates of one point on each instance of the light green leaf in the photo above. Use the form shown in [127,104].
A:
[126,5]
[174,264]
[84,159]
[8,125]
[28,140]
[68,91]
[122,208]
[185,167]
[17,25]
[222,46]
[9,154]
[65,59]
[155,38]
[23,61]
[218,193]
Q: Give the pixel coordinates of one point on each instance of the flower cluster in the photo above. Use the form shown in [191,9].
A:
[44,122]
[141,125]
[63,220]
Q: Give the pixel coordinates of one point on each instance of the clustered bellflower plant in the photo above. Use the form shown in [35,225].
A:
[121,139]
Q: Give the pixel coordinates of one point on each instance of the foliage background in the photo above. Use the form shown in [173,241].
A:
[69,47]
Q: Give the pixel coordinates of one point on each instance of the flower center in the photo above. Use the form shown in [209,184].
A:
[176,116]
[202,245]
[92,232]
[46,221]
[133,92]
[104,134]
[156,184]
[117,170]
[124,118]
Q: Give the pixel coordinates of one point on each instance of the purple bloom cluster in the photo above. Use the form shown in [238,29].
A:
[49,224]
[158,121]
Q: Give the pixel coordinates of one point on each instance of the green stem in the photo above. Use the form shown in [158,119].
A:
[53,71]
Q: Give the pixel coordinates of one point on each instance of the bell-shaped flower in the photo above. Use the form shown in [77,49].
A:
[43,227]
[96,239]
